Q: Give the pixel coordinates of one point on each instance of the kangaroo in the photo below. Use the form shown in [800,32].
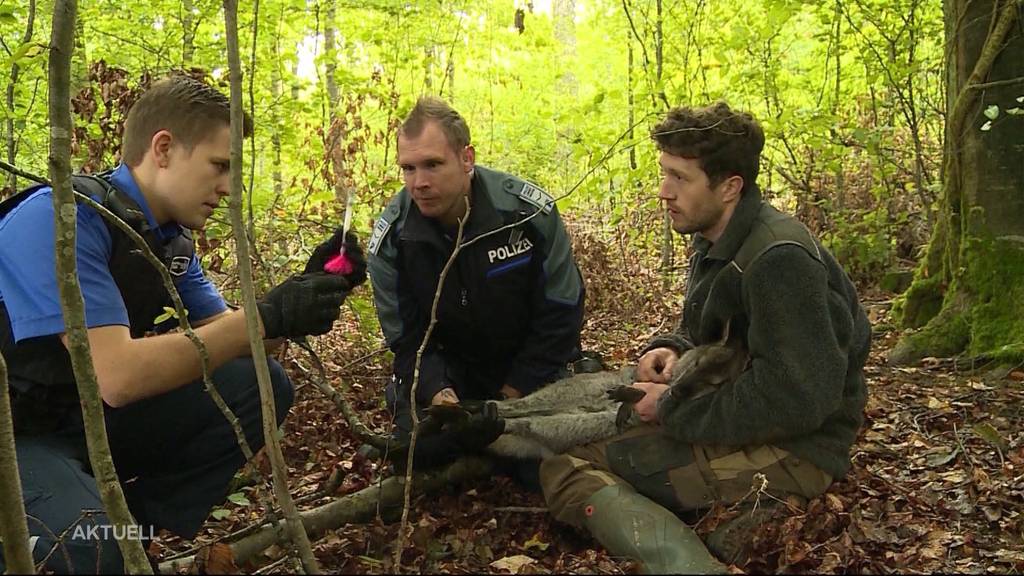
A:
[591,407]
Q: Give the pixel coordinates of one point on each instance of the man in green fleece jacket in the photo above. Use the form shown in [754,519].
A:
[791,416]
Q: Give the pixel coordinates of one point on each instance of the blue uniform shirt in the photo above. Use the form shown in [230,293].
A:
[28,275]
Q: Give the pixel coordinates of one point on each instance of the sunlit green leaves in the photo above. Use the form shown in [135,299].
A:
[168,313]
[24,54]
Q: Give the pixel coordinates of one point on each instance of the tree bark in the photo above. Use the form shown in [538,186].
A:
[336,133]
[275,115]
[563,13]
[667,235]
[72,306]
[12,142]
[296,531]
[13,525]
[188,33]
[968,292]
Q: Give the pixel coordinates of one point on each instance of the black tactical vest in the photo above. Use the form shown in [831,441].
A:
[42,383]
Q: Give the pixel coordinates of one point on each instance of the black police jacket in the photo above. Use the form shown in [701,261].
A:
[511,309]
[42,383]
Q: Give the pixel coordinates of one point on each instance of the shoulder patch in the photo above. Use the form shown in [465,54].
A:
[382,227]
[531,195]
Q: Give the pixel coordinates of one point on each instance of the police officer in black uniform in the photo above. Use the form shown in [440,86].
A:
[511,309]
[174,451]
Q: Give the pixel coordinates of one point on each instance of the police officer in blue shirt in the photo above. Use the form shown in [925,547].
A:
[174,451]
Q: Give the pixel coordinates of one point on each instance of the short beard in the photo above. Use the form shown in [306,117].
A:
[707,220]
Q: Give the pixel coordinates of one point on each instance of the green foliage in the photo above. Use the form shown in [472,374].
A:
[167,315]
[846,92]
[864,245]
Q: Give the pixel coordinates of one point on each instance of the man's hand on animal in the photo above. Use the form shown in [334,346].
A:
[445,396]
[331,247]
[306,304]
[509,393]
[656,365]
[647,407]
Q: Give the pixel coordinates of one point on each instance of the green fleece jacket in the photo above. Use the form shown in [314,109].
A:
[807,336]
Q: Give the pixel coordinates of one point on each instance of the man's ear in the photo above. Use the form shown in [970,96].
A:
[468,158]
[160,146]
[732,187]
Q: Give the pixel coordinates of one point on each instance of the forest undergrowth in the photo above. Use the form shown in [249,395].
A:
[937,483]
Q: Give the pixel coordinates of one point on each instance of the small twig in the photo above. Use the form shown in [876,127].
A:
[997,83]
[416,380]
[279,562]
[959,442]
[758,487]
[608,153]
[19,172]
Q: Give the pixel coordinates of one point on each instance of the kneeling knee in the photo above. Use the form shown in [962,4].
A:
[284,391]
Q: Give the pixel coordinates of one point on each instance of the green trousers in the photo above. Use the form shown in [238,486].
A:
[679,476]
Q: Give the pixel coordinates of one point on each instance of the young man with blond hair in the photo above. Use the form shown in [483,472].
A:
[174,451]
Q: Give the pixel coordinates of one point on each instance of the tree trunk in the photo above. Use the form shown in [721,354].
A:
[72,306]
[188,33]
[13,525]
[968,290]
[12,143]
[429,54]
[79,60]
[449,74]
[659,51]
[630,98]
[563,13]
[259,355]
[336,133]
[667,235]
[275,120]
[837,49]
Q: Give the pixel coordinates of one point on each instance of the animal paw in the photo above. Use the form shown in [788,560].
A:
[629,394]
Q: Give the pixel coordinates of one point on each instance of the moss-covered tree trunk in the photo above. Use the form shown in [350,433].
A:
[968,291]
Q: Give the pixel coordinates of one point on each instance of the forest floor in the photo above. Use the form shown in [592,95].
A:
[937,483]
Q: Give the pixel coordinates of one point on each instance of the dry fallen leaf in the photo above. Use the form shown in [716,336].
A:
[512,563]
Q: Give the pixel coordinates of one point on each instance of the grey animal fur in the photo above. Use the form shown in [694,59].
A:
[578,410]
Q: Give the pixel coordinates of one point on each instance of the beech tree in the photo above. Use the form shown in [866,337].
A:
[967,295]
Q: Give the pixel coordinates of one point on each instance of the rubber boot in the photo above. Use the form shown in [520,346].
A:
[634,526]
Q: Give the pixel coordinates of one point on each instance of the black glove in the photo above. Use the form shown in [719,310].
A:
[307,304]
[438,447]
[330,248]
[480,429]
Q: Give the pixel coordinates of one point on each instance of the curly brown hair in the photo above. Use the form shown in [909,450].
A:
[726,142]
